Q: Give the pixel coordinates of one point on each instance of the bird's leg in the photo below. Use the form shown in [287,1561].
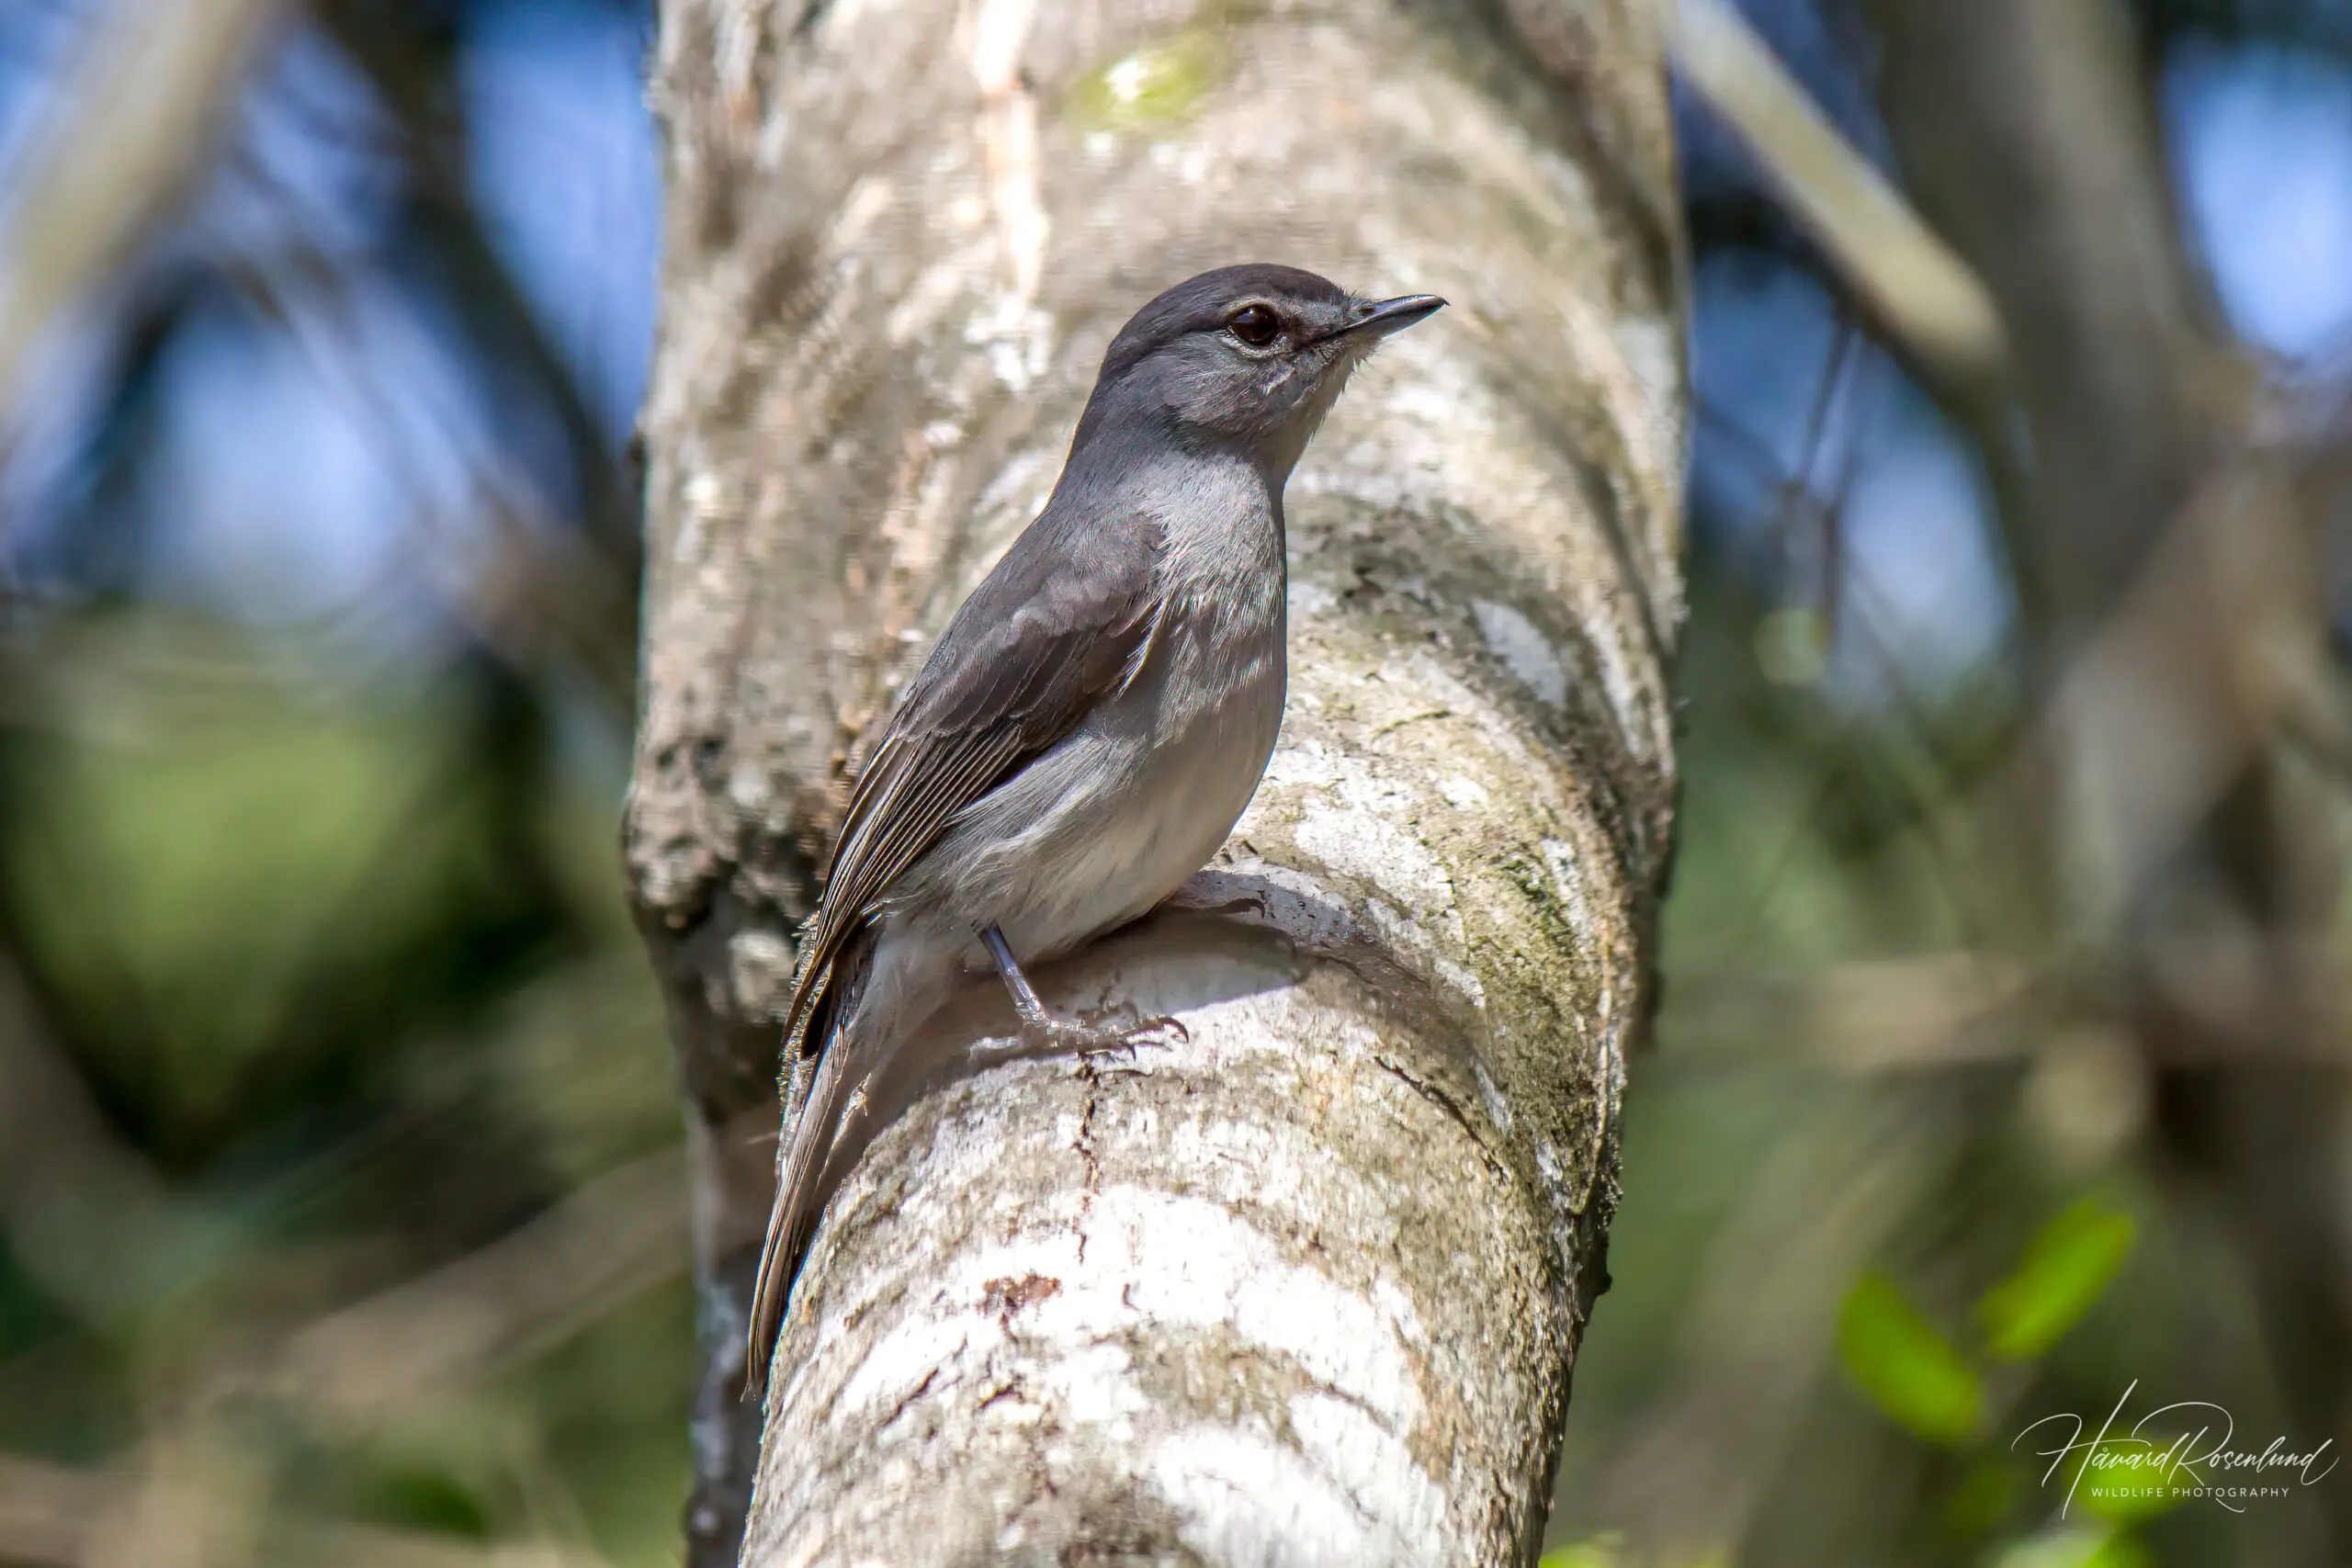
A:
[1060,1032]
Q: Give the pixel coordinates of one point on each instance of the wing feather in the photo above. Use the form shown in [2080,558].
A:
[1023,661]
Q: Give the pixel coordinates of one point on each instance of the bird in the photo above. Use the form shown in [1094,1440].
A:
[1093,722]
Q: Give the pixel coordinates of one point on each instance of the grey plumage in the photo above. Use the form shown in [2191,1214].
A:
[1097,714]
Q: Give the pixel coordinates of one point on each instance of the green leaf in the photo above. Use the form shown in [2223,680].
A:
[1905,1365]
[2075,1546]
[2064,1271]
[1600,1552]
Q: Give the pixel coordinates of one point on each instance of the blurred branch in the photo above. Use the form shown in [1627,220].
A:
[349,1370]
[51,1514]
[1756,1342]
[1973,862]
[344,1372]
[85,1215]
[533,594]
[1912,284]
[604,1244]
[1845,345]
[614,1238]
[1943,1010]
[1865,1017]
[2025,134]
[133,123]
[2188,679]
[401,72]
[1922,300]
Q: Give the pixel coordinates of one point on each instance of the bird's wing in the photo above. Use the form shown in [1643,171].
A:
[1057,626]
[1065,620]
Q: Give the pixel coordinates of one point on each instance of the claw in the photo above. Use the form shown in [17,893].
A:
[1093,1036]
[1104,1034]
[1089,1037]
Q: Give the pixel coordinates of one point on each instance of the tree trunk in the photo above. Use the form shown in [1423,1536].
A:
[1306,1287]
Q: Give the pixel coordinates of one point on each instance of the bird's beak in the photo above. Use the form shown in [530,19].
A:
[1386,316]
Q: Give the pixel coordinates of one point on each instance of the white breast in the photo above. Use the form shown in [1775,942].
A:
[1113,819]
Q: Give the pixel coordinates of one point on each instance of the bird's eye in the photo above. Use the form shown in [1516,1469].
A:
[1256,325]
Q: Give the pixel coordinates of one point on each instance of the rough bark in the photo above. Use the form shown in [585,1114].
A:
[1308,1287]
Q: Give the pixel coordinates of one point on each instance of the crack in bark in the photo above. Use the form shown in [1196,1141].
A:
[1009,1389]
[909,1397]
[1087,1155]
[1438,1097]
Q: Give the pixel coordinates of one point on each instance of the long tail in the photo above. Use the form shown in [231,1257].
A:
[793,1221]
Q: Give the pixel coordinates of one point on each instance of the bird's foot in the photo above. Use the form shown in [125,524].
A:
[1111,1033]
[1117,1031]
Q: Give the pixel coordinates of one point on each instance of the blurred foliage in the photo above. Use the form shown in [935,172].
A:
[338,1139]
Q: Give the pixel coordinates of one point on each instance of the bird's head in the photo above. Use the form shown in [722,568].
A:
[1245,359]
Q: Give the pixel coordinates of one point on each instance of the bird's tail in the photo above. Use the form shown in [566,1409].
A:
[825,1005]
[793,1221]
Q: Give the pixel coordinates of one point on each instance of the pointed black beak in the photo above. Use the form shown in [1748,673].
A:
[1379,318]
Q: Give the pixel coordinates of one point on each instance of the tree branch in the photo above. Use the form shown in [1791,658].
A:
[137,119]
[1312,1281]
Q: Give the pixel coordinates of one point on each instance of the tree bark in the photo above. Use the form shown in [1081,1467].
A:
[1306,1287]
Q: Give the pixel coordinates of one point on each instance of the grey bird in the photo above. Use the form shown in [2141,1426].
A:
[1095,718]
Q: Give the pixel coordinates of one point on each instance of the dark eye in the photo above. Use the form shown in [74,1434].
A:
[1256,325]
